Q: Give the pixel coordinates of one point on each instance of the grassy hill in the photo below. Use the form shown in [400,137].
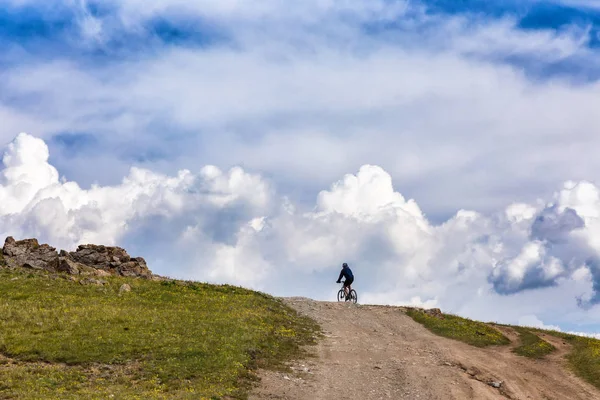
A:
[62,338]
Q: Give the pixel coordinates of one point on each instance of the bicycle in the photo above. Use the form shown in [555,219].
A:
[352,296]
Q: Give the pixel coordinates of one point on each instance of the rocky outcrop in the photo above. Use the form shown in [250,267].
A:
[29,253]
[88,259]
[111,259]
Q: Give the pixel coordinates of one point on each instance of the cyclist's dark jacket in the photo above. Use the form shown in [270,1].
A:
[347,273]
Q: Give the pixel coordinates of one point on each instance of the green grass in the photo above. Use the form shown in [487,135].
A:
[465,330]
[162,340]
[531,345]
[585,359]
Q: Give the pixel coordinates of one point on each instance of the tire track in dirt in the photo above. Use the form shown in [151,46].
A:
[378,352]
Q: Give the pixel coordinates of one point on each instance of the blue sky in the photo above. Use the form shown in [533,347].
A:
[419,141]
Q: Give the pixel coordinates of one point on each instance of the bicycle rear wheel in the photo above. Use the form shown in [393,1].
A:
[340,295]
[353,296]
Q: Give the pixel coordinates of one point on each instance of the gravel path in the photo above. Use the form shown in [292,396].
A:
[378,352]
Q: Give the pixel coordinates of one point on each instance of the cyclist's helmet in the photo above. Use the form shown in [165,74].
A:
[344,265]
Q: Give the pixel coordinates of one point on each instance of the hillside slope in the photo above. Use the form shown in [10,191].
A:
[79,337]
[378,352]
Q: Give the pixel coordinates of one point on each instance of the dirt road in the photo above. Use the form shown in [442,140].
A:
[378,352]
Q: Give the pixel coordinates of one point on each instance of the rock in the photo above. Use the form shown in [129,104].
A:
[435,312]
[67,265]
[124,288]
[87,260]
[101,272]
[29,253]
[495,384]
[91,281]
[113,260]
[136,267]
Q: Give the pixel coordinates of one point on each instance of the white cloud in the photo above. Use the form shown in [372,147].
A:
[33,200]
[531,268]
[369,193]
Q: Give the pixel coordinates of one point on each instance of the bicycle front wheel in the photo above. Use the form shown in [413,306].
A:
[340,295]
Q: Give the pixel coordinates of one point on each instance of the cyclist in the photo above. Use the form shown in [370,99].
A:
[347,273]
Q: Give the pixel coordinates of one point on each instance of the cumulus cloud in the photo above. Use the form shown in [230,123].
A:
[34,201]
[563,242]
[529,269]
